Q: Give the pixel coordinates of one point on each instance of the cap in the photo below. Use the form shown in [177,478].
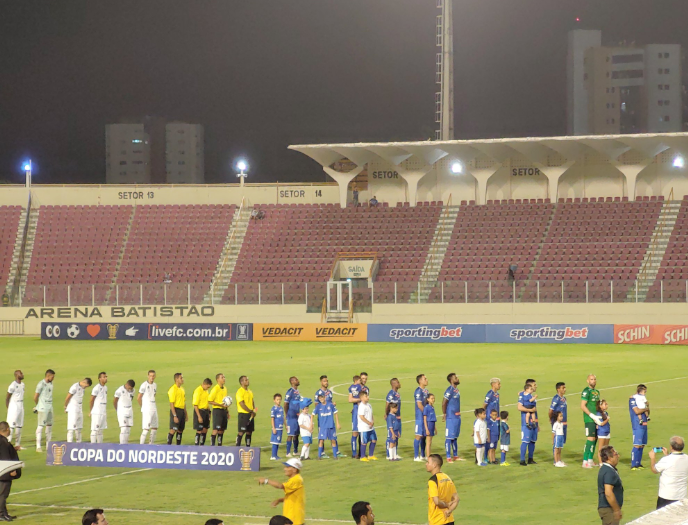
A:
[293,462]
[306,402]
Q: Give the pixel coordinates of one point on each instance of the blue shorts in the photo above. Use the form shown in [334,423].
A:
[559,441]
[276,438]
[392,442]
[534,434]
[293,428]
[604,432]
[367,437]
[420,428]
[527,434]
[307,440]
[399,418]
[354,419]
[431,428]
[640,436]
[492,445]
[453,429]
[479,445]
[327,433]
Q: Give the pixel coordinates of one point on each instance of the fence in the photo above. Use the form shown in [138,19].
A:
[384,292]
[12,327]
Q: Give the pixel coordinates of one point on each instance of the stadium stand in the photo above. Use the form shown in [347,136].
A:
[9,228]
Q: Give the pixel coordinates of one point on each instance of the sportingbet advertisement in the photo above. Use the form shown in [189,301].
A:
[429,333]
[148,331]
[186,457]
[550,333]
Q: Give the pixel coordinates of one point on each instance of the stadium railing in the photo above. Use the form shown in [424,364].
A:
[383,292]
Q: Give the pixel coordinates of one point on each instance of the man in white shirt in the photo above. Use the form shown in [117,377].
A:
[123,401]
[673,473]
[149,410]
[15,408]
[74,408]
[98,412]
[366,426]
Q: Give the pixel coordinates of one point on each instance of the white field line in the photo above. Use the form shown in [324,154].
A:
[185,513]
[80,481]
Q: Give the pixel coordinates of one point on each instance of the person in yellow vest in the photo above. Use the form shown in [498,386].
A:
[178,414]
[201,420]
[294,498]
[442,495]
[220,410]
[246,407]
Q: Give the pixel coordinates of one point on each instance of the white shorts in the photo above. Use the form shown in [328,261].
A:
[45,419]
[126,419]
[75,420]
[98,422]
[149,420]
[504,448]
[15,415]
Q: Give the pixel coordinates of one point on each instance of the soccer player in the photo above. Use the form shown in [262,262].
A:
[534,421]
[526,406]
[354,399]
[451,413]
[367,427]
[74,408]
[327,418]
[639,410]
[277,422]
[292,407]
[201,419]
[442,495]
[43,399]
[98,409]
[492,397]
[123,403]
[178,413]
[149,410]
[294,494]
[220,411]
[589,398]
[420,397]
[246,407]
[324,389]
[559,405]
[15,408]
[393,426]
[364,380]
[306,428]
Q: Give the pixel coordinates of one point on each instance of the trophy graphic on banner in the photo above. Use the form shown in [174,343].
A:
[112,331]
[58,453]
[246,456]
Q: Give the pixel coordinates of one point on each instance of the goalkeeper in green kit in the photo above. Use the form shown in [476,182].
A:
[589,398]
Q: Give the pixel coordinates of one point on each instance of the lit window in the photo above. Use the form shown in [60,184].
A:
[137,141]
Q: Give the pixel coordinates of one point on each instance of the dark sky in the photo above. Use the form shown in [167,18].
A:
[263,74]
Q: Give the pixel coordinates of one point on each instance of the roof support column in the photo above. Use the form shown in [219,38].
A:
[631,172]
[343,179]
[553,174]
[482,175]
[412,178]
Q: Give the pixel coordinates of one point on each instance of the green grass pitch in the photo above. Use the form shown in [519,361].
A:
[397,491]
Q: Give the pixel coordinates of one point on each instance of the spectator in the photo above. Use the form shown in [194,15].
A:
[354,190]
[94,517]
[609,488]
[362,513]
[167,279]
[215,521]
[254,214]
[294,498]
[5,299]
[279,520]
[373,201]
[7,453]
[673,473]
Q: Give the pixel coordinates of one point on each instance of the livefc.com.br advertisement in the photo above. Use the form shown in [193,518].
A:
[148,331]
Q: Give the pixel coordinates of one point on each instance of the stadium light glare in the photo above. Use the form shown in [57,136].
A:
[456,168]
[242,165]
[27,166]
[679,162]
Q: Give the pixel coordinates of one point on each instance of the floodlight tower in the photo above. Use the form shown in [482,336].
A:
[444,72]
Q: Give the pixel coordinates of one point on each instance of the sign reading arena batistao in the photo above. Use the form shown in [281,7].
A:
[61,453]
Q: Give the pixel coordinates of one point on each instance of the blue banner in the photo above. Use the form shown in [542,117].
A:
[550,333]
[149,331]
[427,333]
[171,457]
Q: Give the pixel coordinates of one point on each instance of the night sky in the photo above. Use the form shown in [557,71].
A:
[263,74]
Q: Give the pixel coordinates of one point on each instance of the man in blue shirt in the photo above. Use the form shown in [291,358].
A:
[394,397]
[420,398]
[639,410]
[559,405]
[364,380]
[292,407]
[327,418]
[324,389]
[354,399]
[451,413]
[492,397]
[526,406]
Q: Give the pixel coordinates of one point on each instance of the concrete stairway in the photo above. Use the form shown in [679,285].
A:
[16,253]
[28,249]
[112,290]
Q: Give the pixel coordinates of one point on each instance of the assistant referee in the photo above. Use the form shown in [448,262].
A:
[246,408]
[220,412]
[178,414]
[201,413]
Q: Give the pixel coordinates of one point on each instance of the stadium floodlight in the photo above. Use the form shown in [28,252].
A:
[27,171]
[456,168]
[679,162]
[242,166]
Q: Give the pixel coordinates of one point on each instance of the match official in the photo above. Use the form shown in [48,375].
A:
[220,411]
[201,414]
[246,409]
[178,413]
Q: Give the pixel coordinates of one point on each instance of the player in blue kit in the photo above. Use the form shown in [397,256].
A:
[327,418]
[354,399]
[492,437]
[639,410]
[558,404]
[364,381]
[526,405]
[393,430]
[324,389]
[394,397]
[492,397]
[420,398]
[451,413]
[277,421]
[292,407]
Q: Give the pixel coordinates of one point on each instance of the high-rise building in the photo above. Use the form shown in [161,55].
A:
[184,153]
[623,89]
[127,154]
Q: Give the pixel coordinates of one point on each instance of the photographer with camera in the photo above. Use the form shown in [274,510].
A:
[673,472]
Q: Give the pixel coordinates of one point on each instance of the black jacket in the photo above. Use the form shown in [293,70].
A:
[8,453]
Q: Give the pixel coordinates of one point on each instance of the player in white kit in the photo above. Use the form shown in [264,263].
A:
[149,410]
[44,408]
[123,400]
[74,408]
[98,412]
[15,407]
